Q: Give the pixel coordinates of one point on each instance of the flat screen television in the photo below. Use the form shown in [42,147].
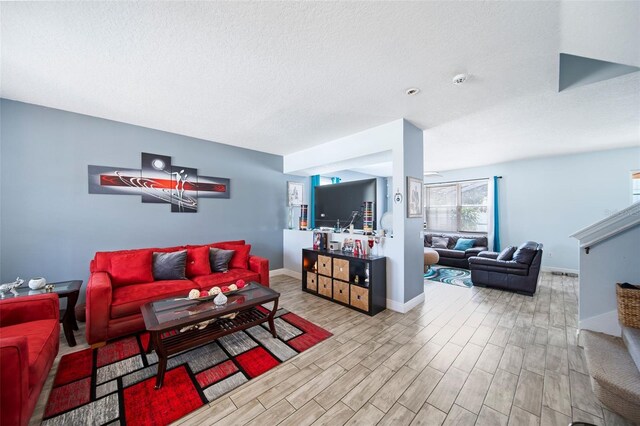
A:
[338,202]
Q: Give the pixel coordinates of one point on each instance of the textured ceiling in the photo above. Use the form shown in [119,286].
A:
[283,76]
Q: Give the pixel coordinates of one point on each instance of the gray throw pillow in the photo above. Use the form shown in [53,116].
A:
[524,255]
[439,242]
[220,259]
[507,253]
[169,266]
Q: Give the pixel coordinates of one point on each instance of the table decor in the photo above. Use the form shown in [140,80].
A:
[37,283]
[204,295]
[4,288]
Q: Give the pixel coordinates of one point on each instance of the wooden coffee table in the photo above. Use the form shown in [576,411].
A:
[167,319]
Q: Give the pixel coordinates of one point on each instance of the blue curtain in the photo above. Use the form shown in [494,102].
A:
[315,181]
[335,180]
[496,215]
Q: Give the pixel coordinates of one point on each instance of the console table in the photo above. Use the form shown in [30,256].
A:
[65,289]
[359,282]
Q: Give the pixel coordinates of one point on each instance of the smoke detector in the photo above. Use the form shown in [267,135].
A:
[412,91]
[459,79]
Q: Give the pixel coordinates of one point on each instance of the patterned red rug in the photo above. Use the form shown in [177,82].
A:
[114,384]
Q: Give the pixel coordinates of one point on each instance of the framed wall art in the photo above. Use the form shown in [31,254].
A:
[159,181]
[414,197]
[294,193]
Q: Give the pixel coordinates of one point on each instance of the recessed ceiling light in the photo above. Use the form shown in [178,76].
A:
[460,78]
[412,91]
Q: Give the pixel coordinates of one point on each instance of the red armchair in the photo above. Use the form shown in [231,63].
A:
[29,343]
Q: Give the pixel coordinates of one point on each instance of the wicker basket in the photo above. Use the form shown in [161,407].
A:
[628,305]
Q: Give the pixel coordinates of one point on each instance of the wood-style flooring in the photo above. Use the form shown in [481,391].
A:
[464,357]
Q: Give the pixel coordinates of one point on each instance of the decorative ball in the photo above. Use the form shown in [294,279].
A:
[224,289]
[194,294]
[240,283]
[233,287]
[220,299]
[204,293]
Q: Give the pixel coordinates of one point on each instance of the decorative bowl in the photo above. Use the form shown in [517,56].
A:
[213,296]
[202,296]
[37,283]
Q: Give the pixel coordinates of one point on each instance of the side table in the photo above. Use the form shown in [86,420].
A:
[64,289]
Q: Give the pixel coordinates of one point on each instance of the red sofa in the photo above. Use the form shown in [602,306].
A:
[29,343]
[122,281]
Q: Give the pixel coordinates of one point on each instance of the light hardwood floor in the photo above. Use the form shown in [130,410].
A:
[464,357]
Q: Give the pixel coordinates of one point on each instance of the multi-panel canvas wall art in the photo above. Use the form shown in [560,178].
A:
[158,181]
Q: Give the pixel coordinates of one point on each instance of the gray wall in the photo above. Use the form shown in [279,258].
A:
[610,262]
[52,227]
[413,243]
[547,199]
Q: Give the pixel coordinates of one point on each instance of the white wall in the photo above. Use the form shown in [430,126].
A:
[610,262]
[293,241]
[405,144]
[373,143]
[547,199]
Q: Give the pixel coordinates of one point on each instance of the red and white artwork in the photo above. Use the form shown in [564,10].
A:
[158,181]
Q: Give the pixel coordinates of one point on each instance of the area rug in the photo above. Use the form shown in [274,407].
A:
[447,275]
[114,384]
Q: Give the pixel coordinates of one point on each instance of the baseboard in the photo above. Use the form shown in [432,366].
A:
[553,269]
[274,272]
[287,272]
[407,306]
[604,323]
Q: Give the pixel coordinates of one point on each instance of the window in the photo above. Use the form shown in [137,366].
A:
[326,180]
[457,206]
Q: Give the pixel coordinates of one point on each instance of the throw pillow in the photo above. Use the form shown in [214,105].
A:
[524,255]
[198,261]
[240,259]
[221,244]
[439,242]
[131,267]
[507,253]
[464,244]
[220,259]
[169,266]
